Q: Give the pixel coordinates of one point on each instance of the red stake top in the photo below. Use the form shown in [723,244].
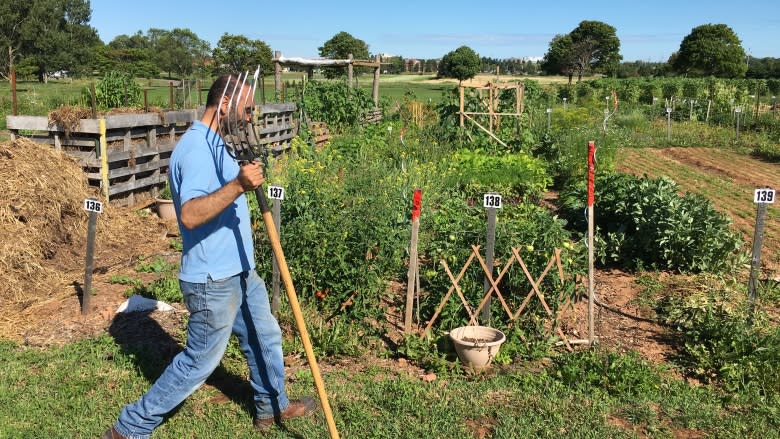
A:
[417,204]
[591,171]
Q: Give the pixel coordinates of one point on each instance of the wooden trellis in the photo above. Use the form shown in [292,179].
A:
[491,104]
[513,315]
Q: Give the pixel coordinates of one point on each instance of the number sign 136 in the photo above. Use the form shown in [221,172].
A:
[764,196]
[92,205]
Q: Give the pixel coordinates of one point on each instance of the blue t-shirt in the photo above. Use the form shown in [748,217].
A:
[222,247]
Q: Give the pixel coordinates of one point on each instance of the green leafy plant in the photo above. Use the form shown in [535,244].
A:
[117,89]
[644,222]
[722,342]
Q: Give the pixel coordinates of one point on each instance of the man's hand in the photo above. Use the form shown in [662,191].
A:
[251,176]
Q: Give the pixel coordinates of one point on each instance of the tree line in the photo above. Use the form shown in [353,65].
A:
[47,36]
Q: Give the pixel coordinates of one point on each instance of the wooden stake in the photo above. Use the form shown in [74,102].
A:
[413,271]
[591,197]
[284,270]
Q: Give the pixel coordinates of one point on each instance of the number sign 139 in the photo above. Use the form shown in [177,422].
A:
[764,196]
[492,201]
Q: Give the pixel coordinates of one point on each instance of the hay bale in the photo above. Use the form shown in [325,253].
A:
[41,196]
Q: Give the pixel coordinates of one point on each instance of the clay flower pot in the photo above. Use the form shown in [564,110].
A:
[165,209]
[476,346]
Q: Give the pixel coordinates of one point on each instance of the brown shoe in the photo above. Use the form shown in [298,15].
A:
[111,433]
[297,408]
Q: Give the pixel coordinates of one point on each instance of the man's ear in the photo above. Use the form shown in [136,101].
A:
[223,105]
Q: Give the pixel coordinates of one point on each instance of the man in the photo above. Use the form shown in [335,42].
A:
[221,289]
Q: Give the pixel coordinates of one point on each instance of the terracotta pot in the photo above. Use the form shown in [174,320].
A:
[165,209]
[476,346]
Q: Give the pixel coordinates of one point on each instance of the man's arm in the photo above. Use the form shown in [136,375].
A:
[200,210]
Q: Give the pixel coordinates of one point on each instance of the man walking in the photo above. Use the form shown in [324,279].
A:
[221,289]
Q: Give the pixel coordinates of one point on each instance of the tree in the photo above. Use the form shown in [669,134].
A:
[595,47]
[340,46]
[180,51]
[462,63]
[711,50]
[559,58]
[237,53]
[49,34]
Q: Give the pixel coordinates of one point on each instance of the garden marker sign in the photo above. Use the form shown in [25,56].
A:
[94,207]
[591,199]
[276,192]
[761,197]
[491,202]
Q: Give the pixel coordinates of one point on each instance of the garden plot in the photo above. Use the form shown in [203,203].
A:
[727,178]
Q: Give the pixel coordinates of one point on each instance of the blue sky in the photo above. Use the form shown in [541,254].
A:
[648,30]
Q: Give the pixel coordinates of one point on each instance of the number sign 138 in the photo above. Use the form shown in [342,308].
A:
[764,196]
[492,201]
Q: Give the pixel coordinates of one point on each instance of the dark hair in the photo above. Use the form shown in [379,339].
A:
[218,87]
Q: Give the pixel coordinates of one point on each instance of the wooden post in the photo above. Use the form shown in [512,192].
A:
[276,213]
[170,95]
[277,75]
[591,198]
[489,255]
[758,237]
[413,273]
[14,109]
[94,100]
[461,91]
[375,92]
[103,159]
[491,103]
[350,71]
[86,291]
[146,100]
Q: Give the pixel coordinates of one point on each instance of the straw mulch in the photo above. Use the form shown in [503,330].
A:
[69,117]
[43,226]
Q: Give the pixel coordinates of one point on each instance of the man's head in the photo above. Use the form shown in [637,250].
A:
[229,106]
[230,91]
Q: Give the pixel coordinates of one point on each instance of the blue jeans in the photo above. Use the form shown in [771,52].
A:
[238,304]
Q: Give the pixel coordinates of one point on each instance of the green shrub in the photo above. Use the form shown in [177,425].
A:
[720,343]
[511,174]
[644,222]
[336,104]
[611,372]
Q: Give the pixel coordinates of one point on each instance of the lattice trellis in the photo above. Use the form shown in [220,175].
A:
[535,291]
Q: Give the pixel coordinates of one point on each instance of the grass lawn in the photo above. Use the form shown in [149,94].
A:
[77,391]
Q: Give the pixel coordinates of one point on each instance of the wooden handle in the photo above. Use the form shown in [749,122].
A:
[284,272]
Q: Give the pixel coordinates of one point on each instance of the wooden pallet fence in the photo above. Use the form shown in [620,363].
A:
[320,133]
[373,116]
[277,126]
[138,146]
